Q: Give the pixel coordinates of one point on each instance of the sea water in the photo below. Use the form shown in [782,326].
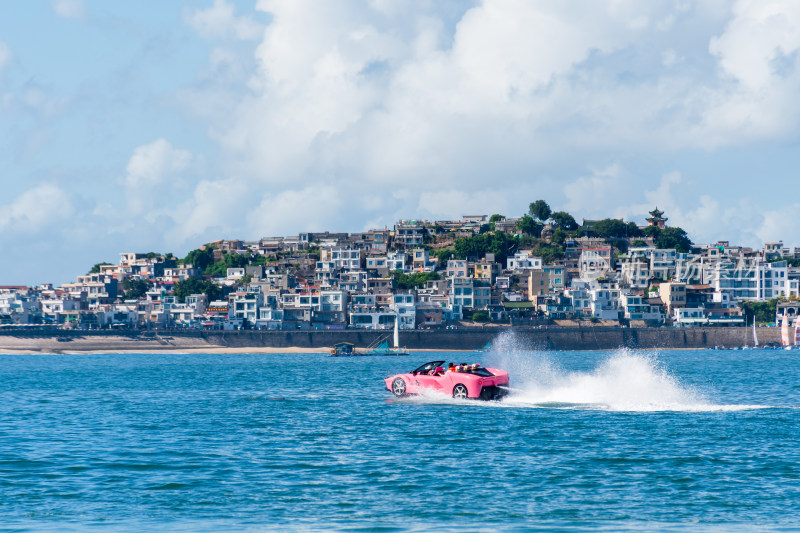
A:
[609,440]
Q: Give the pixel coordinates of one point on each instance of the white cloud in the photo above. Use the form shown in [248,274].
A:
[36,209]
[72,9]
[220,20]
[5,55]
[760,32]
[214,205]
[150,166]
[277,214]
[780,224]
[152,163]
[590,196]
[455,203]
[669,58]
[414,115]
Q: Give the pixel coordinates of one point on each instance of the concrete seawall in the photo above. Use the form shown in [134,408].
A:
[551,338]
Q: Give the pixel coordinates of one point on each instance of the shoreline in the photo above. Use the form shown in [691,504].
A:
[321,341]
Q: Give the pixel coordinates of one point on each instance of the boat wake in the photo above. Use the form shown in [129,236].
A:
[625,381]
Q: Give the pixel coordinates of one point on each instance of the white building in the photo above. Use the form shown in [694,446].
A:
[605,303]
[523,260]
[637,309]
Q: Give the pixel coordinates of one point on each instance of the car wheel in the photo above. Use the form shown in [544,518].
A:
[399,387]
[460,392]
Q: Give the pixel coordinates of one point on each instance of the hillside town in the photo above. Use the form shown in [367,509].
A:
[541,269]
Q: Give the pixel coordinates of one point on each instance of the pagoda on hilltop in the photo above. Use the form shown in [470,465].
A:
[656,219]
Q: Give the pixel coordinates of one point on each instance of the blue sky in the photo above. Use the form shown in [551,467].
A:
[158,126]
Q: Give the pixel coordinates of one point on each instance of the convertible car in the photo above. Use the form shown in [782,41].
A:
[460,381]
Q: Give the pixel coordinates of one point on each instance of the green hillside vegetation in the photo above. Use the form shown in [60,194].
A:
[415,280]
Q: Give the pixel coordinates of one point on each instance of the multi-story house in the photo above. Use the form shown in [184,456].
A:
[181,272]
[354,281]
[367,312]
[538,284]
[481,294]
[581,301]
[421,262]
[245,305]
[486,270]
[636,308]
[673,295]
[635,272]
[461,294]
[605,303]
[507,225]
[377,265]
[326,274]
[397,261]
[343,258]
[689,317]
[749,278]
[409,233]
[405,308]
[662,263]
[457,268]
[557,275]
[18,305]
[523,261]
[379,285]
[235,274]
[99,289]
[596,262]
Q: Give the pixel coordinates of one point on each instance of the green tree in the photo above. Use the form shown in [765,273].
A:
[191,286]
[220,268]
[133,289]
[501,245]
[610,228]
[412,281]
[200,259]
[473,247]
[564,220]
[96,268]
[559,236]
[651,231]
[481,316]
[539,210]
[763,311]
[442,256]
[674,237]
[476,247]
[496,218]
[528,225]
[549,253]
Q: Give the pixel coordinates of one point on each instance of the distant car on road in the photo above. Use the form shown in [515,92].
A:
[459,381]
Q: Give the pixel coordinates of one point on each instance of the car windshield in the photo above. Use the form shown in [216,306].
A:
[427,367]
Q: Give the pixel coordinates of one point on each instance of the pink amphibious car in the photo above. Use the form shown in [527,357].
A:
[460,381]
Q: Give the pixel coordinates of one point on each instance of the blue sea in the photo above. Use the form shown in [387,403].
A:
[608,440]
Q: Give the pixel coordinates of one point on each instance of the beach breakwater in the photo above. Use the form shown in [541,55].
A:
[464,339]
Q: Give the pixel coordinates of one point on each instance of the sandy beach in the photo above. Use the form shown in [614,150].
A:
[122,344]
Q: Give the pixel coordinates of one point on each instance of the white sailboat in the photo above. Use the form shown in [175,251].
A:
[797,333]
[785,339]
[384,349]
[755,337]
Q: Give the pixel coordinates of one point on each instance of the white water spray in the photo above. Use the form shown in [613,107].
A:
[625,381]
